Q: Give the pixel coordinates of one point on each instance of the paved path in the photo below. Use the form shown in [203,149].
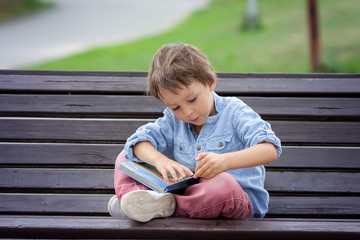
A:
[75,26]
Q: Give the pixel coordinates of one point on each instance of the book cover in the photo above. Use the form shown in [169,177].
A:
[150,177]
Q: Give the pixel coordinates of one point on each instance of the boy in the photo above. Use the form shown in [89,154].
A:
[222,140]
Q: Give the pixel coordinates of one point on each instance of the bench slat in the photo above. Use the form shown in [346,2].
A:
[234,84]
[95,105]
[120,130]
[319,205]
[87,179]
[102,179]
[317,132]
[59,153]
[318,157]
[287,85]
[284,108]
[97,204]
[105,154]
[68,129]
[83,227]
[48,82]
[54,203]
[319,182]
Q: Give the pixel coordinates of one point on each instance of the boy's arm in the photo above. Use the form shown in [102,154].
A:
[146,152]
[212,163]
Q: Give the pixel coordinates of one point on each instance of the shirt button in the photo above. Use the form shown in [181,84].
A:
[220,144]
[266,129]
[180,148]
[198,148]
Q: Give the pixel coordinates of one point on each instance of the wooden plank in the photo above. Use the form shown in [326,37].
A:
[286,107]
[87,179]
[234,83]
[68,129]
[54,203]
[287,85]
[175,228]
[79,73]
[112,105]
[44,129]
[93,204]
[144,74]
[317,132]
[52,82]
[59,153]
[79,105]
[318,157]
[325,205]
[105,154]
[103,179]
[319,182]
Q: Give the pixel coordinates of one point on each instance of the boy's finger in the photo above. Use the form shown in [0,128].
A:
[200,156]
[189,173]
[181,172]
[165,176]
[199,172]
[173,174]
[200,165]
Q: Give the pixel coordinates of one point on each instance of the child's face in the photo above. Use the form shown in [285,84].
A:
[191,104]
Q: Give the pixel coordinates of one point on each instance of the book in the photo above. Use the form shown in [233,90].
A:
[152,178]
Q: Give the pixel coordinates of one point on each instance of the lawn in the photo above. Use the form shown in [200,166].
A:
[10,9]
[279,45]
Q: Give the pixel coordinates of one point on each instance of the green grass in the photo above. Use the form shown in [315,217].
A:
[279,45]
[10,9]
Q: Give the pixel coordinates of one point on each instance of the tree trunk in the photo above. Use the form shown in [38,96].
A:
[251,15]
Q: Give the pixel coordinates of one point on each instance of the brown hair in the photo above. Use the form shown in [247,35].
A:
[177,65]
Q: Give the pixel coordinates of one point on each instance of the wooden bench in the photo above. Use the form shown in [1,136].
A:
[60,132]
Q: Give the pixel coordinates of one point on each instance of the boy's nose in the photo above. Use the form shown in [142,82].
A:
[188,112]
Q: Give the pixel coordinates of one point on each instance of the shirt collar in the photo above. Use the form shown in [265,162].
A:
[218,109]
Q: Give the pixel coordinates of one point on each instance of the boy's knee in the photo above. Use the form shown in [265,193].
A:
[120,158]
[223,185]
[222,180]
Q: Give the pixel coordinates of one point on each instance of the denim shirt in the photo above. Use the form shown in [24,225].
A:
[234,127]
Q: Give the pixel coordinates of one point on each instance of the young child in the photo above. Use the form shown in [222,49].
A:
[219,140]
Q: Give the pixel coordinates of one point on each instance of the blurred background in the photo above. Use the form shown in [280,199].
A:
[123,35]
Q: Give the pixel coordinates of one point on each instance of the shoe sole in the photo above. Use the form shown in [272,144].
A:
[110,203]
[143,206]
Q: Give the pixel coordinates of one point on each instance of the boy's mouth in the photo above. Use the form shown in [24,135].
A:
[195,119]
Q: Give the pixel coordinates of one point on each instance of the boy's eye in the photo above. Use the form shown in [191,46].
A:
[176,108]
[193,100]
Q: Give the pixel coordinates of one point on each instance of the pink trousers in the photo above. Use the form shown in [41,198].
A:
[220,196]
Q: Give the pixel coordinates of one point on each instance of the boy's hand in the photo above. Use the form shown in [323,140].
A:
[210,165]
[174,168]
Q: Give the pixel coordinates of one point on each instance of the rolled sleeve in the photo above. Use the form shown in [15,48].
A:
[253,130]
[139,136]
[158,133]
[266,134]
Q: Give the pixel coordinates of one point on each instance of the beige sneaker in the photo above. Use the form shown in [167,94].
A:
[144,205]
[114,208]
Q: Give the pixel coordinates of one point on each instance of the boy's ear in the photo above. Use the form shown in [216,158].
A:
[212,85]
